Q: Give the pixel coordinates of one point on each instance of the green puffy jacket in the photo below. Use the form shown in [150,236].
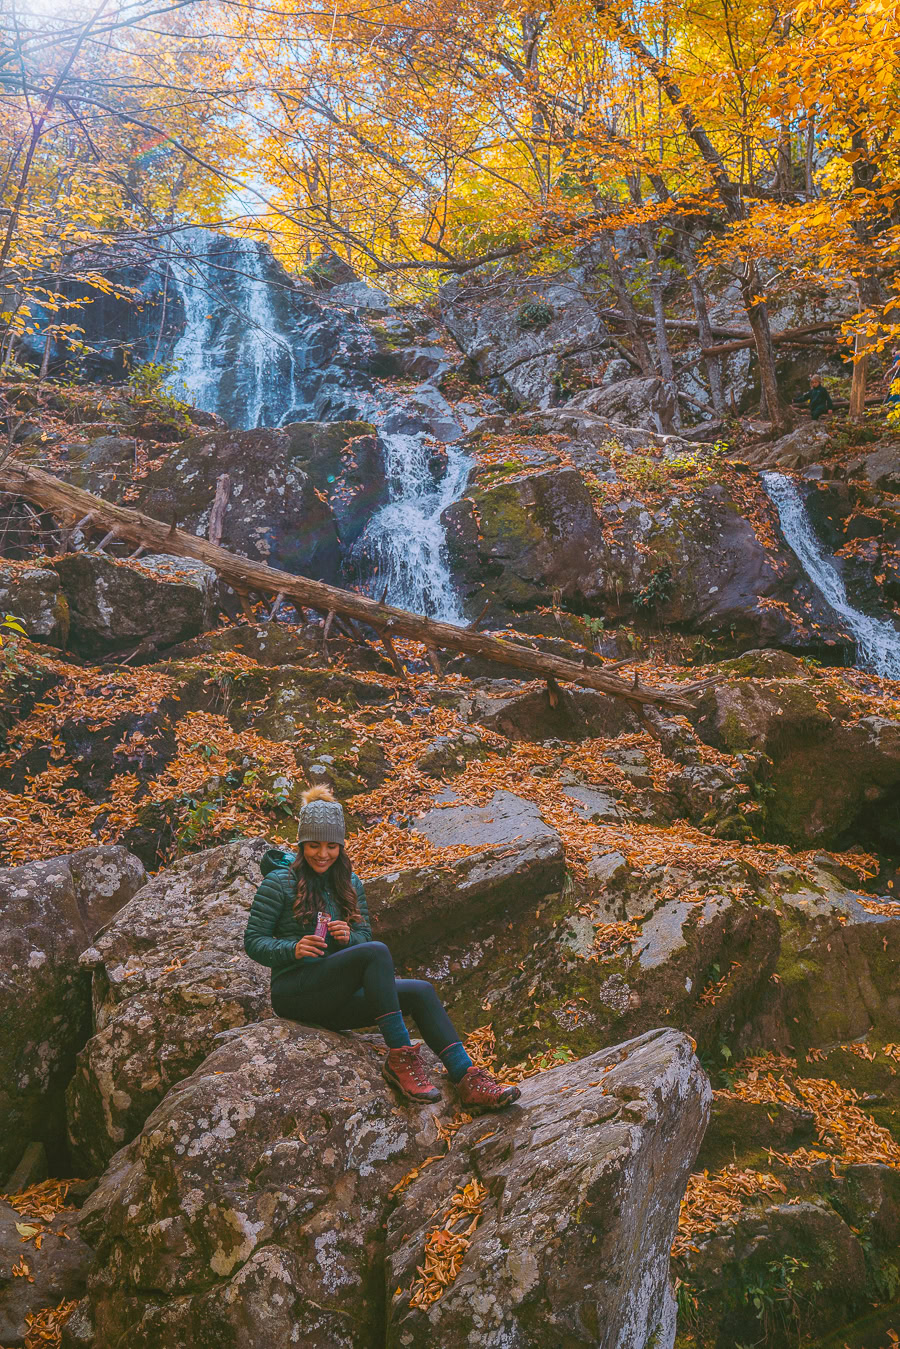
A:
[272,931]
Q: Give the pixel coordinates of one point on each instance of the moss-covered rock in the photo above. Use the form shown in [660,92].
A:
[167,975]
[51,911]
[831,765]
[696,563]
[300,495]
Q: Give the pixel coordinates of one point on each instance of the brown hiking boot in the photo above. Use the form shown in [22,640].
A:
[404,1070]
[479,1091]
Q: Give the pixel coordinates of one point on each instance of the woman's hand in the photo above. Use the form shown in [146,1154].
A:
[309,946]
[339,930]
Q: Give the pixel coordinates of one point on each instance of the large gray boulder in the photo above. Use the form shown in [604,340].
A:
[696,563]
[576,714]
[583,1181]
[160,600]
[300,494]
[103,465]
[805,445]
[32,594]
[533,337]
[252,1210]
[836,964]
[171,971]
[517,860]
[642,401]
[882,466]
[821,1253]
[49,912]
[168,974]
[832,766]
[530,537]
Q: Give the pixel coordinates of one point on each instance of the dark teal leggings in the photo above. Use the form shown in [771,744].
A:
[351,988]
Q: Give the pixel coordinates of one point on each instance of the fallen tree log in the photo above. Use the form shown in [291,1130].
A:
[686,325]
[69,503]
[813,336]
[743,337]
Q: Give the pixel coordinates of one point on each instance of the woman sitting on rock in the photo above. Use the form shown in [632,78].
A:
[347,980]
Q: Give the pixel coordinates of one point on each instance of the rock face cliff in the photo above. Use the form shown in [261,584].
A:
[375,455]
[604,898]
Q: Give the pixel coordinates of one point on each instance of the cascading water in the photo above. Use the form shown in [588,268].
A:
[404,541]
[233,357]
[249,353]
[877,641]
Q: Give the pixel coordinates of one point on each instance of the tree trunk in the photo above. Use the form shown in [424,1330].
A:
[663,351]
[712,363]
[858,380]
[67,502]
[630,316]
[809,159]
[729,194]
[758,318]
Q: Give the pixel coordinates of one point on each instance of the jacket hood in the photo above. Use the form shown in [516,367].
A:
[275,860]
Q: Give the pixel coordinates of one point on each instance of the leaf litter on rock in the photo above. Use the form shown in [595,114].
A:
[846,1134]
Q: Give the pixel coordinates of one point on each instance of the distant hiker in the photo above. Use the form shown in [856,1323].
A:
[310,925]
[818,398]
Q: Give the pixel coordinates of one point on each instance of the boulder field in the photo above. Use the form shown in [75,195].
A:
[587,889]
[676,931]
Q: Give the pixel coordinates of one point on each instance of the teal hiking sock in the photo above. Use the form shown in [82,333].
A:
[393,1028]
[455,1060]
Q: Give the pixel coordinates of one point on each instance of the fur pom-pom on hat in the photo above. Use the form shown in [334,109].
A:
[321,818]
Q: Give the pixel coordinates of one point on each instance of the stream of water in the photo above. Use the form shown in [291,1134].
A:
[243,355]
[877,641]
[233,357]
[405,539]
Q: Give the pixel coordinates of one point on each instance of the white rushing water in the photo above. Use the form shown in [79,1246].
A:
[231,358]
[242,355]
[405,539]
[877,641]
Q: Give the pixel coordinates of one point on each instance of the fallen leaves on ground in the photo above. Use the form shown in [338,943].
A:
[709,1200]
[51,813]
[43,1329]
[42,1201]
[846,1135]
[611,938]
[445,1248]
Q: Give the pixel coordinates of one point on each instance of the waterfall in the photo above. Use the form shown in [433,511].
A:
[233,357]
[877,641]
[255,352]
[404,541]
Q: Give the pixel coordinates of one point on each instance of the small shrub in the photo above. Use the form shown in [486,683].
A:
[640,469]
[593,629]
[11,629]
[847,435]
[534,314]
[147,391]
[659,590]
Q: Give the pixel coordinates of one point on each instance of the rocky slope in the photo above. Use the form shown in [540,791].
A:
[591,888]
[570,878]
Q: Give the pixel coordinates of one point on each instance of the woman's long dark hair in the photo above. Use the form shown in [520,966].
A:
[309,883]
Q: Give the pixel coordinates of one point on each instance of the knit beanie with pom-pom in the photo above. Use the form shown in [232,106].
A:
[321,818]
